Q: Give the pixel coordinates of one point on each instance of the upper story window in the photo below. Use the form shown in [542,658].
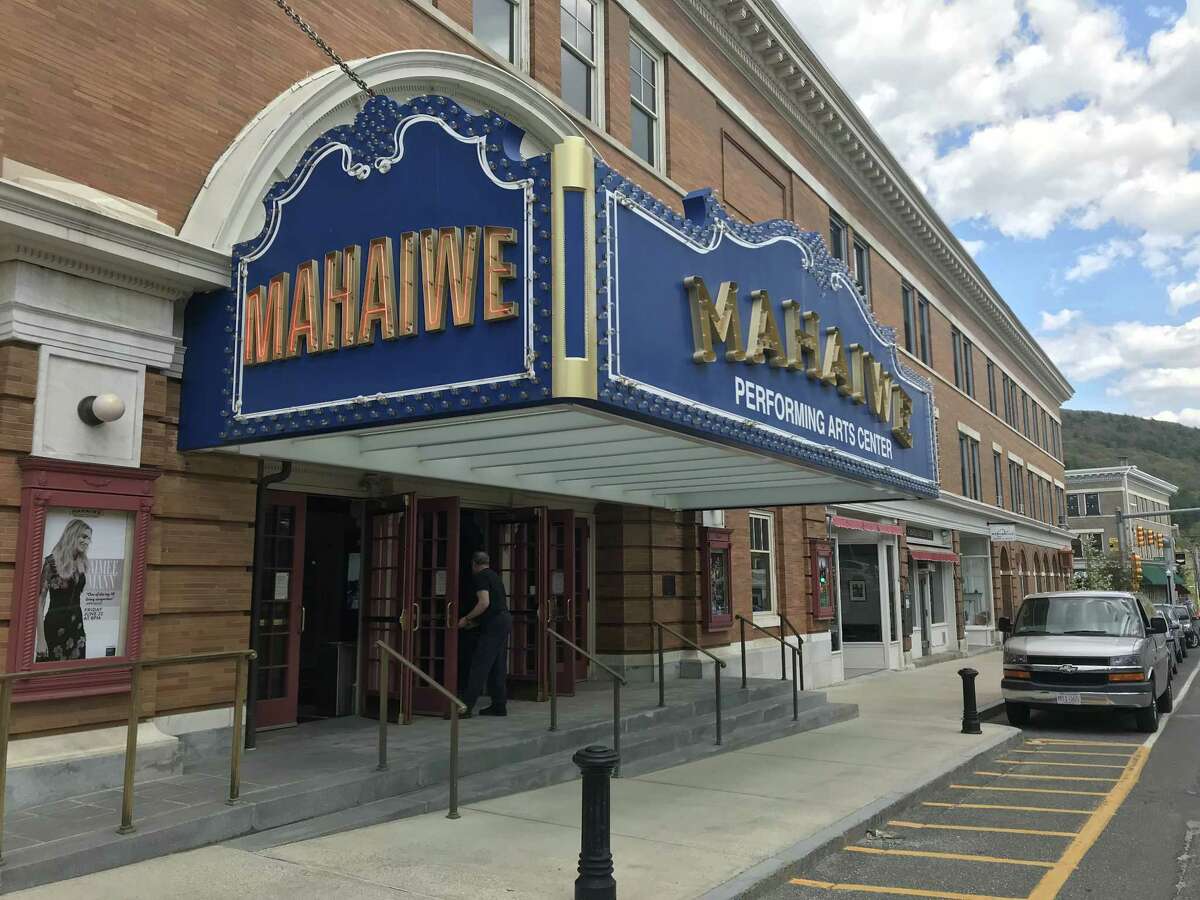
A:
[1016,486]
[837,237]
[991,386]
[862,269]
[1036,434]
[908,307]
[968,451]
[1091,504]
[645,67]
[1025,412]
[497,24]
[998,472]
[578,32]
[1072,504]
[964,362]
[925,348]
[762,563]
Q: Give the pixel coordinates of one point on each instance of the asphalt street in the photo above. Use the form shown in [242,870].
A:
[1084,806]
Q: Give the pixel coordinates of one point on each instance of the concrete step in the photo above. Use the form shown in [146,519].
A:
[650,738]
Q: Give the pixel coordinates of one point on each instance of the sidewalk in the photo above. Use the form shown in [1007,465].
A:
[710,827]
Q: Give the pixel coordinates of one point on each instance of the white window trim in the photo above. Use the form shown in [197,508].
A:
[763,617]
[599,64]
[972,433]
[522,49]
[1016,459]
[660,133]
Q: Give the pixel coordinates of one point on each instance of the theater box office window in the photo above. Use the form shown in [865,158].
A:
[426,301]
[81,574]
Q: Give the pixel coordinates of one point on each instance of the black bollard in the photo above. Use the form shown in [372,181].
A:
[970,722]
[595,881]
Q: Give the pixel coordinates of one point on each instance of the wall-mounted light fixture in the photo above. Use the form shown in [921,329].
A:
[99,409]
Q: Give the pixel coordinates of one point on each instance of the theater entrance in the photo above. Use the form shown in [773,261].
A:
[419,583]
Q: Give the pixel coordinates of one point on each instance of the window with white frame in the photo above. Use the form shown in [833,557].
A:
[645,76]
[579,42]
[862,268]
[762,563]
[497,25]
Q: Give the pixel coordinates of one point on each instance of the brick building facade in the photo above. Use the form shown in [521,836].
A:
[127,175]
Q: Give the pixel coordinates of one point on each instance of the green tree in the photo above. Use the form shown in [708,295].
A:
[1096,574]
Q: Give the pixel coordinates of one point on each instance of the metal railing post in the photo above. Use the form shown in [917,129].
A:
[662,682]
[800,661]
[717,682]
[453,813]
[553,663]
[135,705]
[742,629]
[795,691]
[5,712]
[782,655]
[617,726]
[385,690]
[239,703]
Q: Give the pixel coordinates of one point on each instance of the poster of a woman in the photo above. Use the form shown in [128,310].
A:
[60,631]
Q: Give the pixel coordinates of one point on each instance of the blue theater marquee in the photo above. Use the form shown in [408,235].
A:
[415,266]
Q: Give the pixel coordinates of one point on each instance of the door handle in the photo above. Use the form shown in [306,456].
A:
[303,618]
[416,616]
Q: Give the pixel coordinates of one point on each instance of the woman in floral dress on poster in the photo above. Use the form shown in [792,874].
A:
[60,632]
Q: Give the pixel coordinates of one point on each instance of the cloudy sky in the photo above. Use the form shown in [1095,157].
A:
[1061,141]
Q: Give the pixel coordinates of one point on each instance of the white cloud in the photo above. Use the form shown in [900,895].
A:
[1086,352]
[1185,293]
[1060,319]
[1186,416]
[973,247]
[1100,259]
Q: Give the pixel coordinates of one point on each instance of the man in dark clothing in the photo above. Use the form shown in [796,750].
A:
[490,661]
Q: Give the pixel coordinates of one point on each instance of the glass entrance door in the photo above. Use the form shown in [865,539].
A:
[514,539]
[391,536]
[280,597]
[583,594]
[924,611]
[432,619]
[561,559]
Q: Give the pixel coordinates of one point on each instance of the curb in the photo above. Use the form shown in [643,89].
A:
[833,836]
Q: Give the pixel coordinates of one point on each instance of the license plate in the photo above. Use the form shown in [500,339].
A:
[1069,700]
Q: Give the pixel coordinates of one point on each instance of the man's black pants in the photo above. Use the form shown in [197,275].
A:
[490,663]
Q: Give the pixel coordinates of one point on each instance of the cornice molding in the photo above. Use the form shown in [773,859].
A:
[1117,474]
[760,41]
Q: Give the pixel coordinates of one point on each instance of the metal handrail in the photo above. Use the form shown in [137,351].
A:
[742,623]
[662,688]
[799,645]
[135,667]
[456,707]
[552,677]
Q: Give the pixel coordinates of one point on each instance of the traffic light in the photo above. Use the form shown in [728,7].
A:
[1162,540]
[1141,536]
[1135,565]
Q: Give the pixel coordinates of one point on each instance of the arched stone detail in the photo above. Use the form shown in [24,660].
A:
[229,208]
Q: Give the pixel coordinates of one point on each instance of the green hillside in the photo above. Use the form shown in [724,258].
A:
[1162,449]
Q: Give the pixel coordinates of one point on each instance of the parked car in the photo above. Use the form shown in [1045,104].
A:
[1087,648]
[1188,621]
[1174,631]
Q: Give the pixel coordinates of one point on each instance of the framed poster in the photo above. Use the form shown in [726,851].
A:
[858,590]
[821,554]
[716,586]
[80,578]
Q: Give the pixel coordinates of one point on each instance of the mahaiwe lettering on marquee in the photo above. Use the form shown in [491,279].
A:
[757,335]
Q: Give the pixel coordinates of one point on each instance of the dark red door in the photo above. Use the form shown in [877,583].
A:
[391,533]
[281,593]
[583,594]
[560,556]
[434,613]
[513,540]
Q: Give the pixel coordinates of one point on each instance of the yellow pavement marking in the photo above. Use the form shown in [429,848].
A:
[1073,753]
[1060,742]
[1034,762]
[1048,777]
[1021,790]
[962,857]
[1052,882]
[936,826]
[1037,809]
[894,891]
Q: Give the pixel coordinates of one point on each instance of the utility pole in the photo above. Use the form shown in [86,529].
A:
[1170,561]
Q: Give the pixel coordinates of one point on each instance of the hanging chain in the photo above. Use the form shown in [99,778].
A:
[324,47]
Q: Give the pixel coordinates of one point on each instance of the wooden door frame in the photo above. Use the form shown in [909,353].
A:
[438,705]
[566,682]
[275,713]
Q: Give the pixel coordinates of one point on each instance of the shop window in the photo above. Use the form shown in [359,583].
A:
[762,563]
[496,23]
[937,594]
[858,579]
[1072,504]
[717,588]
[976,575]
[80,575]
[1091,504]
[644,68]
[578,53]
[862,269]
[908,306]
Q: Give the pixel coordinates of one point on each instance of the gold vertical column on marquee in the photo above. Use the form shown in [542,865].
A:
[572,169]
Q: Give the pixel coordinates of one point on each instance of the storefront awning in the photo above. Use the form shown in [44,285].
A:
[424,300]
[866,525]
[1154,574]
[933,555]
